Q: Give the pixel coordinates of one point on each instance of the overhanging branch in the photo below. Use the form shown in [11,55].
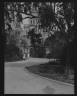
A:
[62,30]
[31,16]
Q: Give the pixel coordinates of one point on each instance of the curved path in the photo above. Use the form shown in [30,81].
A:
[19,81]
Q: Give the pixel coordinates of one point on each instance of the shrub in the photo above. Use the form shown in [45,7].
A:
[40,52]
[56,50]
[55,43]
[12,52]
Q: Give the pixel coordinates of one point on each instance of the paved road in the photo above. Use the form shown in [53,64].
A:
[20,81]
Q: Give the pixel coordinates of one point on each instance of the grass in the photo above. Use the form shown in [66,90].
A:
[52,71]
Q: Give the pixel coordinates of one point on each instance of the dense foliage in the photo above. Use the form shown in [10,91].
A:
[55,45]
[12,53]
[39,50]
[59,15]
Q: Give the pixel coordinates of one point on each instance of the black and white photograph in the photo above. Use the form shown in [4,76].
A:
[39,47]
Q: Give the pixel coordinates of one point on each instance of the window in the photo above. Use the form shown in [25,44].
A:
[36,20]
[31,21]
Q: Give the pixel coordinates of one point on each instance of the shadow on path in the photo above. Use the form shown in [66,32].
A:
[48,90]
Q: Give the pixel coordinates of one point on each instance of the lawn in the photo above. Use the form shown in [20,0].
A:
[52,71]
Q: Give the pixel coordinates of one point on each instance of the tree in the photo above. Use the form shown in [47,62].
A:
[12,38]
[46,11]
[55,44]
[63,17]
[36,42]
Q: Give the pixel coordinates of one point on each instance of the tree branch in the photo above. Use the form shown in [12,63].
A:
[32,16]
[62,30]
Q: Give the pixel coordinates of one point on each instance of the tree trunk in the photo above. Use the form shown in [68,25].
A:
[67,70]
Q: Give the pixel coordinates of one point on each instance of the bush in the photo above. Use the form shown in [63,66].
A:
[40,52]
[55,43]
[56,50]
[12,52]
